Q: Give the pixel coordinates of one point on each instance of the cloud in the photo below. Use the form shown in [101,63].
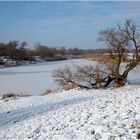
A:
[71,13]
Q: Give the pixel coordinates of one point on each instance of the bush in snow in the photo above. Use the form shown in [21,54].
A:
[12,95]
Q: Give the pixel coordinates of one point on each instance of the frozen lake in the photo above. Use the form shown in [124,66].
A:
[32,79]
[36,78]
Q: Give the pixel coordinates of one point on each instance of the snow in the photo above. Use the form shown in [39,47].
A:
[33,78]
[75,114]
[111,114]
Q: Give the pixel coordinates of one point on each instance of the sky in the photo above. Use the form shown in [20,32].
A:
[63,23]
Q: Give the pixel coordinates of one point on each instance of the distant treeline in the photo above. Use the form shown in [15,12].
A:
[19,51]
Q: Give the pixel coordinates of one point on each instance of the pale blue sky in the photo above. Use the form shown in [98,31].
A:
[69,24]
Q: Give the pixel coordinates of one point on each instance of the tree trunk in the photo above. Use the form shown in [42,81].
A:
[121,80]
[110,79]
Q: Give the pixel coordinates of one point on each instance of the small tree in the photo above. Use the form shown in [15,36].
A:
[120,41]
[44,52]
[11,49]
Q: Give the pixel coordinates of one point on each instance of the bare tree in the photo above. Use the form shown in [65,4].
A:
[65,77]
[86,76]
[11,49]
[45,52]
[119,41]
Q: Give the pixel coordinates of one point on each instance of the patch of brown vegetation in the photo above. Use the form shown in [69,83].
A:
[13,95]
[72,86]
[48,91]
[98,57]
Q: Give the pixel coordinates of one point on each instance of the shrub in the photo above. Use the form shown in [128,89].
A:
[48,91]
[12,95]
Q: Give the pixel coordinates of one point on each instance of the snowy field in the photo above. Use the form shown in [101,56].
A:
[37,78]
[32,79]
[112,114]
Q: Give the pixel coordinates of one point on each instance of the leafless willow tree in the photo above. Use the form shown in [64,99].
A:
[77,76]
[120,41]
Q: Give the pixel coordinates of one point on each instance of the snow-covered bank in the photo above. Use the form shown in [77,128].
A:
[76,114]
